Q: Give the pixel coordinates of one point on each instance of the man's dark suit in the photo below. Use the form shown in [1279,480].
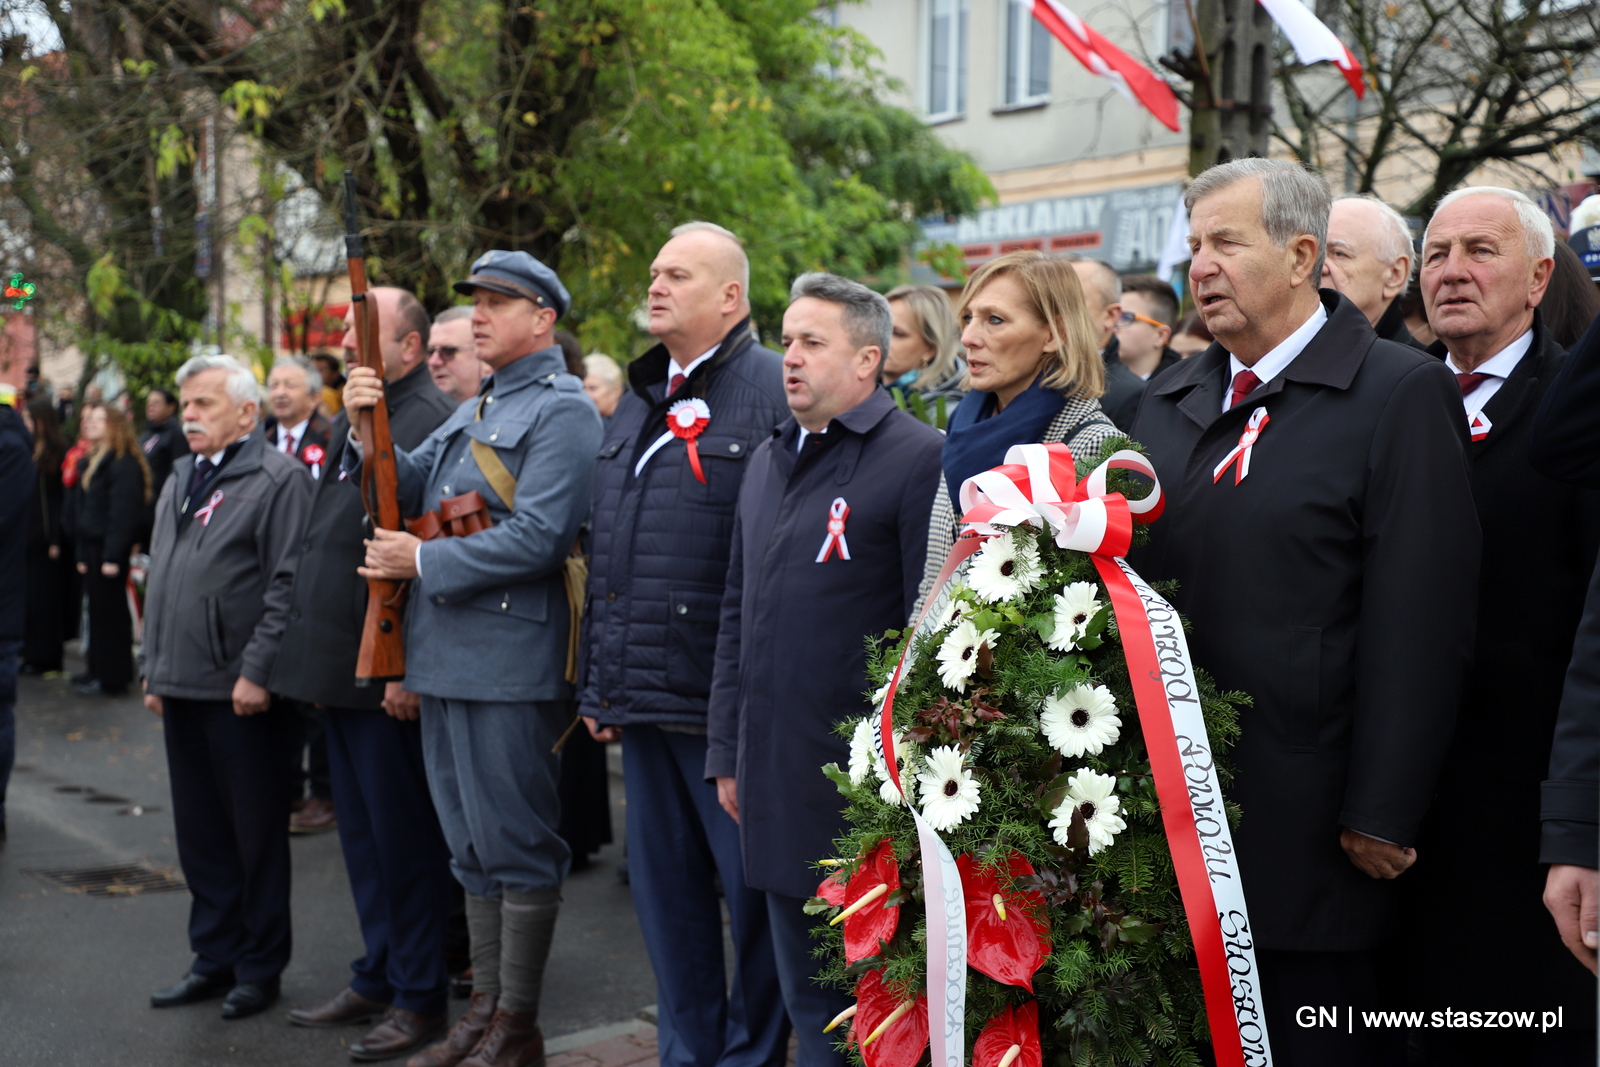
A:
[317,432]
[1328,585]
[394,851]
[1124,390]
[1539,540]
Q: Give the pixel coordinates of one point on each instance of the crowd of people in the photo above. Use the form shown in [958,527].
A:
[689,554]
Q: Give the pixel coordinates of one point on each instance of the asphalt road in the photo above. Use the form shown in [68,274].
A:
[90,790]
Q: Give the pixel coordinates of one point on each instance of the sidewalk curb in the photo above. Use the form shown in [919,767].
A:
[596,1034]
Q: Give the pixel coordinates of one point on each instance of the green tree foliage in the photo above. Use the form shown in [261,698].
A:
[580,131]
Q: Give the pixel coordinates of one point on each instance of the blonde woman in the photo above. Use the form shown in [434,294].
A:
[113,489]
[1035,372]
[925,347]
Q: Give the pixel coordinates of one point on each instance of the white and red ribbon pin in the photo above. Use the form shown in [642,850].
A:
[313,456]
[686,420]
[1479,426]
[204,514]
[838,512]
[1241,451]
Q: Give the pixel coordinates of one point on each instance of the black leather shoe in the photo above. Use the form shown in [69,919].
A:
[250,998]
[191,989]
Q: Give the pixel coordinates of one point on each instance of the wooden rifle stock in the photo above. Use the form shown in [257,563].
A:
[382,652]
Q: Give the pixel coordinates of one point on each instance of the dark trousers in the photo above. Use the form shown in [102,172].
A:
[10,648]
[310,774]
[811,1006]
[1295,984]
[47,609]
[396,856]
[110,657]
[679,839]
[228,800]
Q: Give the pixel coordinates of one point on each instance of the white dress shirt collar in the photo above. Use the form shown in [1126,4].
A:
[673,368]
[292,435]
[1276,361]
[800,438]
[1498,366]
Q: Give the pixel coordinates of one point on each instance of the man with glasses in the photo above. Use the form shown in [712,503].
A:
[452,360]
[1144,325]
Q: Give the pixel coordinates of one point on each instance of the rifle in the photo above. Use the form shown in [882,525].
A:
[382,652]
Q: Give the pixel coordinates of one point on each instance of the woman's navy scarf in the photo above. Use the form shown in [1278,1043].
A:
[977,438]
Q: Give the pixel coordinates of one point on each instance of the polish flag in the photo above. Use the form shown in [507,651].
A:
[1313,42]
[1128,77]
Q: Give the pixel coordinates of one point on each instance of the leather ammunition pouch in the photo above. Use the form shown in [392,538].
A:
[457,516]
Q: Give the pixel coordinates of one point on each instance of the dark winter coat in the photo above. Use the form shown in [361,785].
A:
[163,444]
[791,660]
[109,515]
[658,546]
[1124,389]
[1391,326]
[1539,540]
[317,656]
[1333,584]
[16,489]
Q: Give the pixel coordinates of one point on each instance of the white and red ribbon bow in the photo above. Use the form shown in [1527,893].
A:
[204,514]
[838,511]
[686,420]
[1479,426]
[1037,486]
[1241,451]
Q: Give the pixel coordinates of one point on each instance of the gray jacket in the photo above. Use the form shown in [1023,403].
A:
[487,619]
[219,587]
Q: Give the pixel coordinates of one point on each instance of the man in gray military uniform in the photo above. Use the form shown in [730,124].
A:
[486,639]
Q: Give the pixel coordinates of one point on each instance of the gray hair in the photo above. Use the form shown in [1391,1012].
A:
[451,314]
[1538,236]
[866,314]
[240,383]
[1104,277]
[603,367]
[1395,239]
[699,226]
[1294,201]
[303,365]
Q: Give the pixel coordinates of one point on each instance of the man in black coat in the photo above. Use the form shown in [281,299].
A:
[659,541]
[1566,446]
[163,441]
[1369,260]
[294,388]
[16,489]
[1319,523]
[1485,264]
[1102,291]
[394,850]
[828,546]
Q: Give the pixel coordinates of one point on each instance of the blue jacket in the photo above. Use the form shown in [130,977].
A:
[791,651]
[658,549]
[487,618]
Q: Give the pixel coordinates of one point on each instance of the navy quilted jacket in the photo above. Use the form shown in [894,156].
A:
[658,547]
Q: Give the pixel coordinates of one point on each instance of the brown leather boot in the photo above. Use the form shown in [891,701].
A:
[512,1040]
[463,1036]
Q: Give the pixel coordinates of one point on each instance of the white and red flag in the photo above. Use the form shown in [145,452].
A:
[1129,77]
[1313,42]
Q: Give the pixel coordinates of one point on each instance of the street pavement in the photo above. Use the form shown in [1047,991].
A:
[76,971]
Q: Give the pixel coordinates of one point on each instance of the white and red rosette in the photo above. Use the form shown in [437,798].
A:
[1241,452]
[204,514]
[1037,486]
[313,454]
[687,420]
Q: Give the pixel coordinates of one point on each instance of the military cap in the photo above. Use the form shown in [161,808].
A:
[517,274]
[1586,243]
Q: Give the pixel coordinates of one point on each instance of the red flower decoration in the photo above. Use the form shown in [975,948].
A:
[903,1041]
[686,420]
[313,454]
[832,890]
[1013,1028]
[1010,946]
[864,928]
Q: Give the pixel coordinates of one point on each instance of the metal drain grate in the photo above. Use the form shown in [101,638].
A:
[110,881]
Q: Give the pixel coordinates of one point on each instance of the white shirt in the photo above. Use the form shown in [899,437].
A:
[1498,366]
[800,438]
[1276,361]
[673,368]
[289,440]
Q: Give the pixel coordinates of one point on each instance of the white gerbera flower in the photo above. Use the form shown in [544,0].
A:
[1092,795]
[1082,721]
[958,656]
[903,753]
[949,792]
[1005,568]
[1076,605]
[862,757]
[955,608]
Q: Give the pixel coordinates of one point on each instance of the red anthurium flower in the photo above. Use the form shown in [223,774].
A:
[1008,936]
[902,1041]
[832,890]
[1016,1028]
[876,878]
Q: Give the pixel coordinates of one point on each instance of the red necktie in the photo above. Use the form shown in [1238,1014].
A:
[672,385]
[1469,382]
[1244,383]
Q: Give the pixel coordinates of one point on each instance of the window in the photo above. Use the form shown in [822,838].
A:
[1027,56]
[947,58]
